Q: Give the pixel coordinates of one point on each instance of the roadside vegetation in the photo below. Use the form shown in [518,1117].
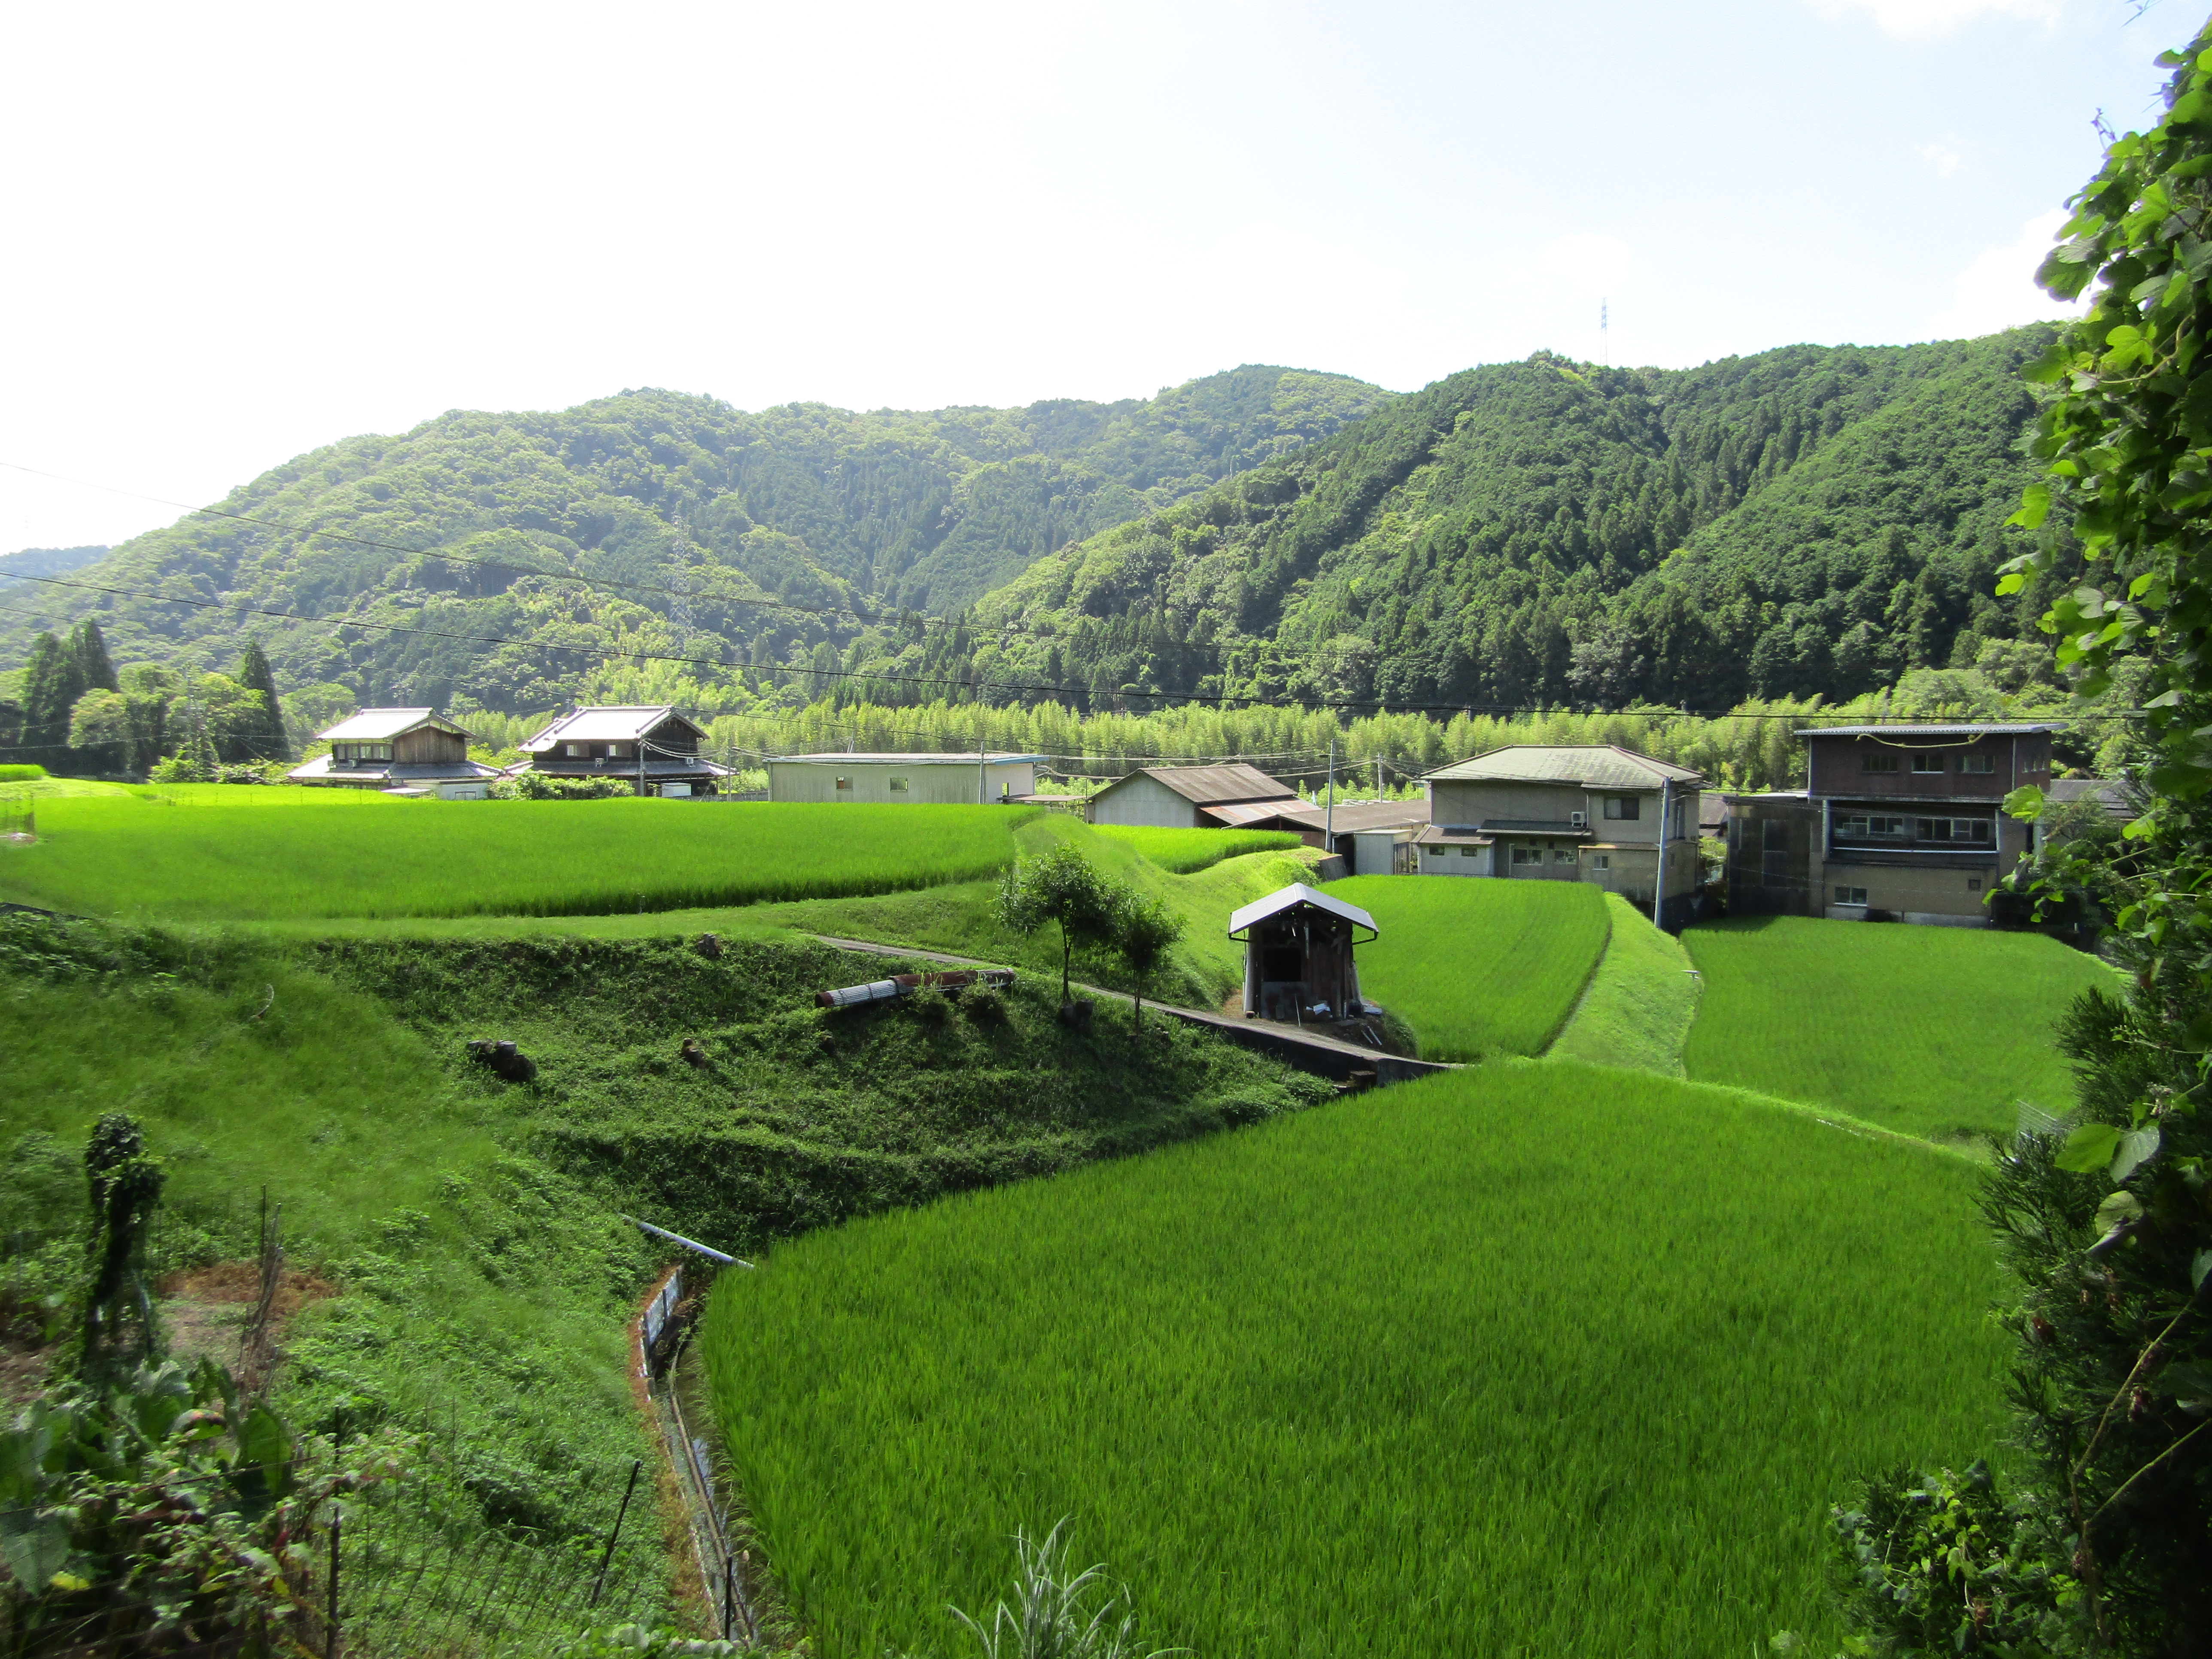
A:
[1478,967]
[1456,1368]
[1939,1032]
[127,857]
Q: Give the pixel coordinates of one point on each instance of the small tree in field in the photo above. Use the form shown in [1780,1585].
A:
[1144,930]
[1059,886]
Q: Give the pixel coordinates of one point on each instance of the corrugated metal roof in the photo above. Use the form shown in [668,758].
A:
[607,723]
[1243,814]
[994,758]
[1289,898]
[1592,766]
[382,725]
[655,767]
[1209,786]
[1451,834]
[2016,729]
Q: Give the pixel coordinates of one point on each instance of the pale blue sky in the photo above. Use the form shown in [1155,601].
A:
[237,232]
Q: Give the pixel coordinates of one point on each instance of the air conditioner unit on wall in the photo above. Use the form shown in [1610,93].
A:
[1578,820]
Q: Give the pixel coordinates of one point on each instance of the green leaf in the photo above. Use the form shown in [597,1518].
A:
[2199,1267]
[2035,507]
[2024,804]
[2089,1148]
[2136,1148]
[2123,1206]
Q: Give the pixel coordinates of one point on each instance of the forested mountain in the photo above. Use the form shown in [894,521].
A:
[655,491]
[1812,520]
[1809,520]
[47,561]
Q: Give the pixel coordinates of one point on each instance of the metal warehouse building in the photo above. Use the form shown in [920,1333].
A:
[947,779]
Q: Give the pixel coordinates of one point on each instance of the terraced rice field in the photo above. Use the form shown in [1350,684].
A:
[127,856]
[1532,1359]
[1480,968]
[1933,1031]
[1183,851]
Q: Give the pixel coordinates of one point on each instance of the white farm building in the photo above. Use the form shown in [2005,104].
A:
[945,779]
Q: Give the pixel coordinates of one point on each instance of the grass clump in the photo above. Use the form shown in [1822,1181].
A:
[13,773]
[1933,1031]
[1480,968]
[1184,851]
[1638,1009]
[1528,1359]
[126,857]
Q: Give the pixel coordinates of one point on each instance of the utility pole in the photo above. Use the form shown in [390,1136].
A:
[1604,341]
[1659,887]
[1329,822]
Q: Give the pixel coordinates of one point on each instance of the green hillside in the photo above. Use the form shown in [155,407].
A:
[816,506]
[1809,520]
[1527,1359]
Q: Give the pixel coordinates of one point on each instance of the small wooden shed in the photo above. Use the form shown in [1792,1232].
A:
[1298,954]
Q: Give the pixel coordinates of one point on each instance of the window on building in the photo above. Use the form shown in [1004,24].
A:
[844,783]
[1928,763]
[1850,896]
[899,785]
[1625,807]
[1983,764]
[1527,856]
[1877,763]
[1858,825]
[1564,855]
[572,750]
[1602,861]
[1468,852]
[1973,883]
[1976,830]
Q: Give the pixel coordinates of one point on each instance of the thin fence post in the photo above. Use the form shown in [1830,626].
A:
[337,1462]
[636,1463]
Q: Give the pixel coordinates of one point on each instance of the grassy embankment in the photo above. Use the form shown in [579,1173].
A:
[1939,1032]
[1479,968]
[1532,1358]
[472,1223]
[142,859]
[1638,1008]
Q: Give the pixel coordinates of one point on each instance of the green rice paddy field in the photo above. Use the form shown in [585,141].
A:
[1480,968]
[1933,1031]
[1530,1359]
[212,860]
[1183,851]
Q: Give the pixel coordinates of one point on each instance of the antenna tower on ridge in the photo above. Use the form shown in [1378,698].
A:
[1604,343]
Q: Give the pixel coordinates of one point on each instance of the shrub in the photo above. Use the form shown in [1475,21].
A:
[12,773]
[536,786]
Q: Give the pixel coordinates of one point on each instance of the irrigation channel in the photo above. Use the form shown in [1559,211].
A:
[672,1389]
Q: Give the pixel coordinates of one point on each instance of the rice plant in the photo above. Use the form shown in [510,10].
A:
[123,856]
[1528,1359]
[1479,967]
[1183,851]
[1933,1031]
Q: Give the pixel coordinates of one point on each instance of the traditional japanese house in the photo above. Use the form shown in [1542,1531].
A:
[655,748]
[409,749]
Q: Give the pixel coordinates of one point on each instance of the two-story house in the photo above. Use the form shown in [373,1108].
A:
[1898,821]
[655,749]
[1592,812]
[408,749]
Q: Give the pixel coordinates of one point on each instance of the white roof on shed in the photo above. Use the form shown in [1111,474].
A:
[1289,898]
[382,725]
